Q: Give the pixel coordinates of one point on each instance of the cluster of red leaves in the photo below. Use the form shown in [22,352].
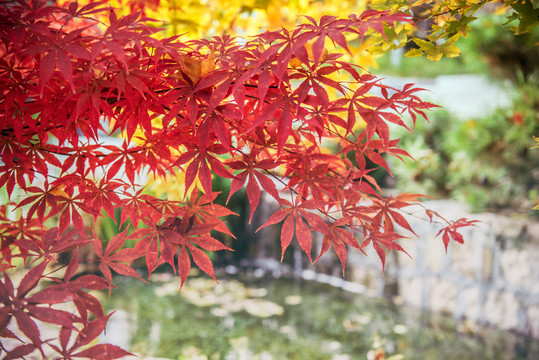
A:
[256,112]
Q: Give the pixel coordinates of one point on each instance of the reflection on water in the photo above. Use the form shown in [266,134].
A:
[274,319]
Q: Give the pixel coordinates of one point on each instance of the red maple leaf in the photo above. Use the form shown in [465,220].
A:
[115,258]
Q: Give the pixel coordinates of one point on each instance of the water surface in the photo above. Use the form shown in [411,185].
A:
[267,318]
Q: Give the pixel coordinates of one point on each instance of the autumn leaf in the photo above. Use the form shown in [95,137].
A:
[435,52]
[114,258]
[294,224]
[103,352]
[451,231]
[536,146]
[193,66]
[527,13]
[256,180]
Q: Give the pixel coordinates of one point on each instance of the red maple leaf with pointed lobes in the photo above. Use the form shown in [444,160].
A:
[295,219]
[254,175]
[452,231]
[115,258]
[91,103]
[338,235]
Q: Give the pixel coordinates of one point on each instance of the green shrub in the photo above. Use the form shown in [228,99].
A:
[486,162]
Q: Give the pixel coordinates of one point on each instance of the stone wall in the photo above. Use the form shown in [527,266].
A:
[492,279]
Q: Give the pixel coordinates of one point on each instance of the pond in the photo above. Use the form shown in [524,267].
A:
[269,319]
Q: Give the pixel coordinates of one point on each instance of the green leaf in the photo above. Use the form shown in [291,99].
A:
[527,15]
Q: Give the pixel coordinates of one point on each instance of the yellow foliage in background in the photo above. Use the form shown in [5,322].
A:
[440,22]
[171,187]
[195,19]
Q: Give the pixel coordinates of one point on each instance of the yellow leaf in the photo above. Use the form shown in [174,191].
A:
[295,62]
[414,53]
[195,66]
[435,52]
[448,48]
[57,191]
[430,49]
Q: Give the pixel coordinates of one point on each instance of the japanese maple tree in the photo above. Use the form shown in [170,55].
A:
[258,111]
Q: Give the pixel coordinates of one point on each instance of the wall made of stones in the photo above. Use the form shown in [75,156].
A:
[492,279]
